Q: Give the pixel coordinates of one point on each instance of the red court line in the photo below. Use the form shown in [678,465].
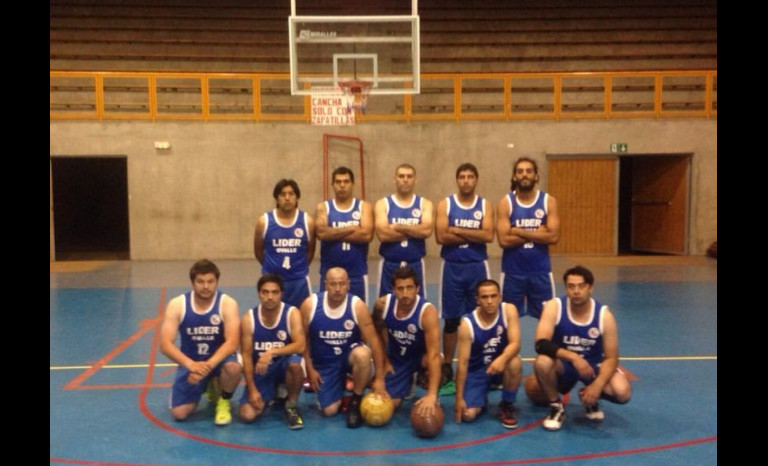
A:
[145,326]
[127,385]
[630,376]
[555,459]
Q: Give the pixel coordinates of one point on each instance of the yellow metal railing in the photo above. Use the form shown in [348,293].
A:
[458,96]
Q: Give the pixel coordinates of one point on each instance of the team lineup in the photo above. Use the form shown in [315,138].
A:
[339,339]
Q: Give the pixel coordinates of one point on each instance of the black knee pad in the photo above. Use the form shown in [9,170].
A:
[451,325]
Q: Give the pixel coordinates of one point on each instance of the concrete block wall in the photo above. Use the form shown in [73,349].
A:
[203,196]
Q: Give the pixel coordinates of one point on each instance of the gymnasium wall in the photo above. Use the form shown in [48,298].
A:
[203,196]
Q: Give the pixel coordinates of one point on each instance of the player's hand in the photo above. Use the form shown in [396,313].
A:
[255,400]
[590,394]
[585,370]
[194,379]
[495,367]
[388,368]
[200,368]
[264,361]
[461,406]
[315,379]
[378,386]
[426,405]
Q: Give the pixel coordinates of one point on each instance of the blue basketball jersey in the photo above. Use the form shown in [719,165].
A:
[353,257]
[285,246]
[487,342]
[410,249]
[201,333]
[585,339]
[276,336]
[406,340]
[465,217]
[332,332]
[529,258]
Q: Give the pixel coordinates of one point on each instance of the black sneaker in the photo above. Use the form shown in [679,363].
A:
[555,416]
[294,419]
[354,418]
[594,413]
[507,414]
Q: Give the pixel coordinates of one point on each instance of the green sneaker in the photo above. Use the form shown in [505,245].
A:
[448,388]
[293,417]
[223,413]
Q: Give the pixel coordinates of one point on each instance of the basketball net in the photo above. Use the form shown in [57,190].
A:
[357,93]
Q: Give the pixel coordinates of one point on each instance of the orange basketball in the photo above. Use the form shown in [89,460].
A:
[427,426]
[534,391]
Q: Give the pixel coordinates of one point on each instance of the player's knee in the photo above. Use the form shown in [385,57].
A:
[543,363]
[331,409]
[451,325]
[360,356]
[469,415]
[180,413]
[248,413]
[232,369]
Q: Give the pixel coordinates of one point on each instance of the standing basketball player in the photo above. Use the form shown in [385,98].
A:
[403,221]
[464,226]
[208,323]
[284,242]
[344,226]
[526,224]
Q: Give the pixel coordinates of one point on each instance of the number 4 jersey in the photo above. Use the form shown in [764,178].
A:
[201,332]
[285,246]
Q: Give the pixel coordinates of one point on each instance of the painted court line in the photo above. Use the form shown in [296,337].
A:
[145,326]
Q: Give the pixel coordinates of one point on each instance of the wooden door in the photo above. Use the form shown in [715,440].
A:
[660,203]
[586,189]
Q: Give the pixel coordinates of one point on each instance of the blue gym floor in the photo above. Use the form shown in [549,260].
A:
[110,384]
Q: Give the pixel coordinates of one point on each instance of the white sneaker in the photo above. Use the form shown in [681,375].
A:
[594,413]
[555,417]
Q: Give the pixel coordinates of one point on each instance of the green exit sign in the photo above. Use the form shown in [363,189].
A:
[618,147]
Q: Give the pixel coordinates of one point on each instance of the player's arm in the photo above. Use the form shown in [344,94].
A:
[385,231]
[483,235]
[246,343]
[312,374]
[371,338]
[423,229]
[463,350]
[443,234]
[363,233]
[546,234]
[230,315]
[325,232]
[258,239]
[312,240]
[504,234]
[168,331]
[431,324]
[512,349]
[545,330]
[593,391]
[296,346]
[378,318]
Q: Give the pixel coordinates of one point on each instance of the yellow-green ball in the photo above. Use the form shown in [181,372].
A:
[376,409]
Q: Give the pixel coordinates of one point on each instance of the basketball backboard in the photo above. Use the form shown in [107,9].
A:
[327,49]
